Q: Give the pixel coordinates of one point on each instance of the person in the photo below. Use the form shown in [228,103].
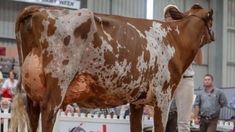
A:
[171,125]
[232,106]
[183,95]
[9,86]
[208,104]
[123,110]
[148,111]
[232,103]
[69,109]
[5,107]
[1,76]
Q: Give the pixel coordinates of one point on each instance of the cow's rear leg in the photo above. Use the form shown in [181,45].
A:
[33,110]
[136,118]
[50,104]
[48,115]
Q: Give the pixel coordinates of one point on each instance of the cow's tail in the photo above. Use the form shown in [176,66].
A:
[19,115]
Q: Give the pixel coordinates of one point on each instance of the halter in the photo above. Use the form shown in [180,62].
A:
[211,34]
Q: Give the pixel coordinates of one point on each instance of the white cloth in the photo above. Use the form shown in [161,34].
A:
[189,71]
[9,84]
[184,101]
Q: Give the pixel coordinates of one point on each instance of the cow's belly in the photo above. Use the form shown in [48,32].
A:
[32,76]
[87,92]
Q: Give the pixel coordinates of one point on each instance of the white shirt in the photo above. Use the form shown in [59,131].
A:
[1,76]
[9,84]
[189,71]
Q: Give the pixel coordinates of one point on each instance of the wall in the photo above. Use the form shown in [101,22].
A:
[228,45]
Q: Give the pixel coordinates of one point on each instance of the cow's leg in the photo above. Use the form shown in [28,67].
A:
[48,115]
[160,117]
[158,124]
[49,105]
[136,118]
[33,110]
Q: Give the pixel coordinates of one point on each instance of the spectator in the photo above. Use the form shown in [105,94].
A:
[208,104]
[69,109]
[232,103]
[5,107]
[1,76]
[9,86]
[233,120]
[124,110]
[232,106]
[148,110]
[76,108]
[171,125]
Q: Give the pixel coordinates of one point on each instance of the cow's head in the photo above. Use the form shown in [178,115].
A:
[206,16]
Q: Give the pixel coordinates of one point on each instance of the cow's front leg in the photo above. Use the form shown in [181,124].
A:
[160,117]
[136,118]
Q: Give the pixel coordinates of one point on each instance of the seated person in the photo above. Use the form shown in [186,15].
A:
[9,86]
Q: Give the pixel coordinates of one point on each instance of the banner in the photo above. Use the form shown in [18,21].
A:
[72,4]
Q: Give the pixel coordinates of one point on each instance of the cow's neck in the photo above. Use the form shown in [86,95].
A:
[191,34]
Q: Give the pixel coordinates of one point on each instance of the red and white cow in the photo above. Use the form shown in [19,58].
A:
[99,60]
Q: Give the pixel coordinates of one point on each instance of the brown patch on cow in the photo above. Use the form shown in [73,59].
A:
[26,75]
[146,56]
[109,58]
[65,62]
[84,88]
[28,89]
[165,86]
[158,115]
[51,27]
[47,58]
[67,40]
[42,78]
[97,42]
[134,92]
[83,29]
[79,14]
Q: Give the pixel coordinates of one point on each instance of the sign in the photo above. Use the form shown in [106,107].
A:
[72,4]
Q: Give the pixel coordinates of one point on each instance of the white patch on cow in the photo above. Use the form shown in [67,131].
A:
[108,35]
[202,38]
[138,31]
[73,52]
[164,53]
[142,65]
[177,30]
[169,28]
[45,24]
[106,45]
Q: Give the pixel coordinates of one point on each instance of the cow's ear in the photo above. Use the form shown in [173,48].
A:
[196,6]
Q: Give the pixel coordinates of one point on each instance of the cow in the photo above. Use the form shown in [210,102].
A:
[99,60]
